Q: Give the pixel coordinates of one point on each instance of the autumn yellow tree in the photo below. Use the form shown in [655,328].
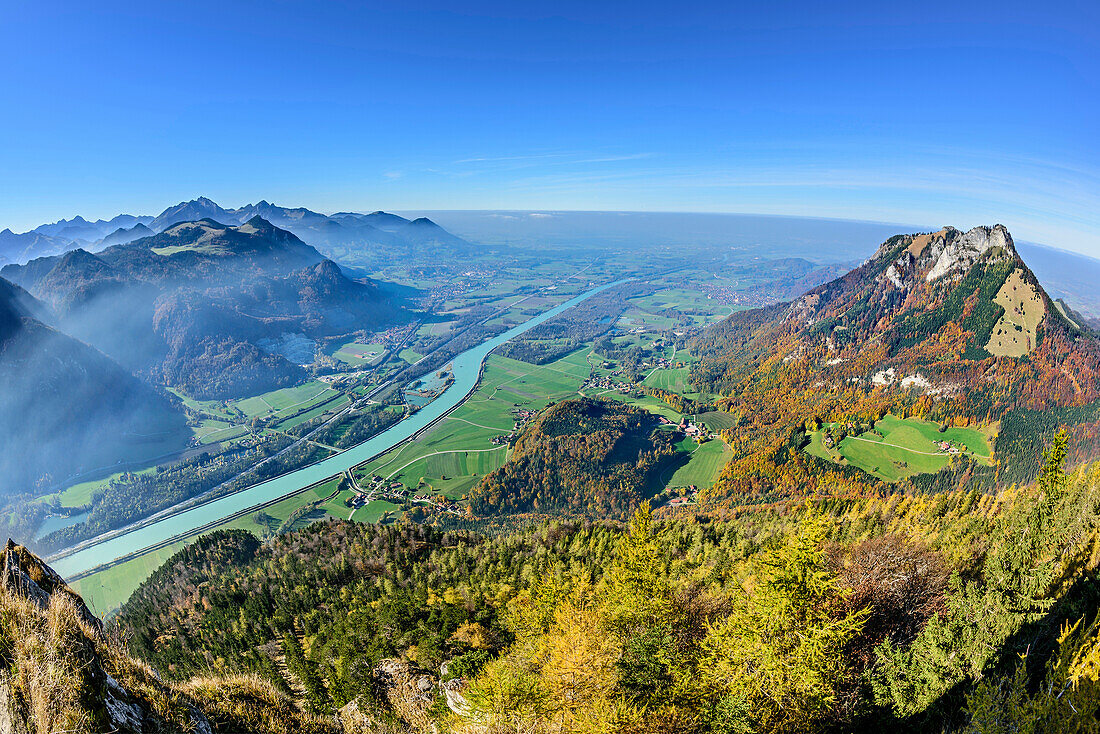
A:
[775,663]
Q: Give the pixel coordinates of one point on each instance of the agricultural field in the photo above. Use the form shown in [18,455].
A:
[285,408]
[703,465]
[452,457]
[678,300]
[673,380]
[647,402]
[282,400]
[81,494]
[329,402]
[897,448]
[411,356]
[105,592]
[375,510]
[358,355]
[717,420]
[212,431]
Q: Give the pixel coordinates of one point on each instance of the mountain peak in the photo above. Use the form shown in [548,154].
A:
[967,295]
[906,261]
[956,252]
[259,224]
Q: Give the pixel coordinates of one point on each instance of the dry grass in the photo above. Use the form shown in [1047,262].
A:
[1015,332]
[50,666]
[55,667]
[249,703]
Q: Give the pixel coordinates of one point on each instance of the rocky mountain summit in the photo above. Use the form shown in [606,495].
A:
[947,326]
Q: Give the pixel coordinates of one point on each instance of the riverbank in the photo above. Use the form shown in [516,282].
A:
[467,371]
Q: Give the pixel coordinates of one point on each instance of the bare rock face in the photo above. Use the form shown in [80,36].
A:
[363,717]
[26,576]
[452,689]
[957,253]
[408,690]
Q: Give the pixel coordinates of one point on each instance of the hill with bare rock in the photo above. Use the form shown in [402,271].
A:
[947,327]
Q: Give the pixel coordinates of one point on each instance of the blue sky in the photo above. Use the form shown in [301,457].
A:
[932,113]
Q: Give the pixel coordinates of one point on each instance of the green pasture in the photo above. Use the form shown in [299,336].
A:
[104,592]
[373,511]
[703,466]
[357,355]
[459,446]
[897,448]
[673,380]
[717,420]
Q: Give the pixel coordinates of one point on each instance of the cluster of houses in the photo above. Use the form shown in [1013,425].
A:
[607,383]
[948,448]
[726,294]
[690,497]
[381,488]
[520,416]
[692,429]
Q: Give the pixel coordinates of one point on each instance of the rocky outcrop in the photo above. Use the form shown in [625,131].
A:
[956,253]
[452,689]
[408,690]
[26,576]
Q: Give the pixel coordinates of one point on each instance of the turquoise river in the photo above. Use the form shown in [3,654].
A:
[467,371]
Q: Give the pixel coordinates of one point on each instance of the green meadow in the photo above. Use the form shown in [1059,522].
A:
[703,465]
[901,447]
[357,355]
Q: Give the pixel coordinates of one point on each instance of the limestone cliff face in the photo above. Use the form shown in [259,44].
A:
[940,256]
[908,273]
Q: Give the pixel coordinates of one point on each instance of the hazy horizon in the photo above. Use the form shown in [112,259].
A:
[942,113]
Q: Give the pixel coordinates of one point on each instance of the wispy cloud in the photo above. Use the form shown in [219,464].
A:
[504,158]
[612,158]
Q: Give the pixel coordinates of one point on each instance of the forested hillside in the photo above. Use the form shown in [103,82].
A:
[204,307]
[948,327]
[582,456]
[46,380]
[912,612]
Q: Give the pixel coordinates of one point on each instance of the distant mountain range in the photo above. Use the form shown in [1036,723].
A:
[206,307]
[393,235]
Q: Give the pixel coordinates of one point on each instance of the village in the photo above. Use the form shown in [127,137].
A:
[381,488]
[520,417]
